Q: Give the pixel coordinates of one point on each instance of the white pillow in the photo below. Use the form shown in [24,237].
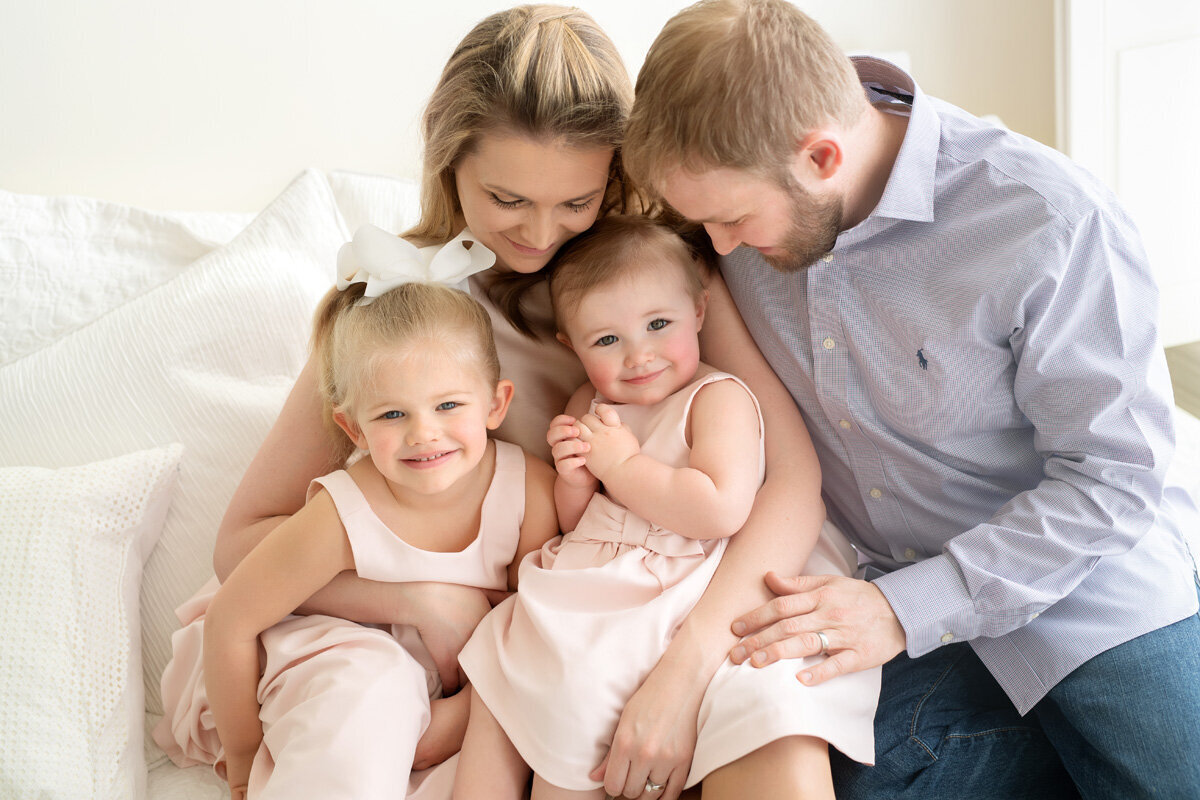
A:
[72,545]
[124,328]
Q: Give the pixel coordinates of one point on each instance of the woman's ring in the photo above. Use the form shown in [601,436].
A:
[651,786]
[824,642]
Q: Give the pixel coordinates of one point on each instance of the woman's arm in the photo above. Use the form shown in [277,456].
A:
[782,529]
[297,557]
[298,449]
[712,496]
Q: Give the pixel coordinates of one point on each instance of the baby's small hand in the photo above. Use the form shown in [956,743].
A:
[569,451]
[611,442]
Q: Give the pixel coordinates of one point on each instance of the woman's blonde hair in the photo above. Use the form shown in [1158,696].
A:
[543,71]
[614,247]
[352,341]
[736,83]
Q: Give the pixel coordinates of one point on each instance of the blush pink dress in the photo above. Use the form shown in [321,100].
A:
[343,705]
[596,609]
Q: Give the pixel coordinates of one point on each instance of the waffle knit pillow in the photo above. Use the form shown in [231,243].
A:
[72,545]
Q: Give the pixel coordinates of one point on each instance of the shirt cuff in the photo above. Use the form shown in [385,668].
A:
[931,600]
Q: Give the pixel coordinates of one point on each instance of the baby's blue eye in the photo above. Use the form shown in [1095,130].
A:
[392,415]
[605,341]
[448,405]
[658,324]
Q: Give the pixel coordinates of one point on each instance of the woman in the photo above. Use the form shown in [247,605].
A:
[522,146]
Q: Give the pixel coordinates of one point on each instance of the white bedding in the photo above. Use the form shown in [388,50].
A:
[123,330]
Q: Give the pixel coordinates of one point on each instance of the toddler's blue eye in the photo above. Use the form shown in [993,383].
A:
[391,415]
[658,324]
[448,405]
[605,341]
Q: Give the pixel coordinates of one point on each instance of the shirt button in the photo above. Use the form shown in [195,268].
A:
[827,257]
[910,554]
[829,343]
[876,494]
[1035,615]
[947,638]
[845,423]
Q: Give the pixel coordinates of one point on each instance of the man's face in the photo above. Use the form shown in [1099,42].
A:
[789,226]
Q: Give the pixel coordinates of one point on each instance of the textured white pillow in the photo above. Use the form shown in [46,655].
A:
[121,329]
[72,545]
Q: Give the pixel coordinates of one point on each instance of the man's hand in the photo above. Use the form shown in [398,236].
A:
[855,617]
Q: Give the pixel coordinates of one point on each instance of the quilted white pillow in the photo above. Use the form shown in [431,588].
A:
[125,328]
[72,545]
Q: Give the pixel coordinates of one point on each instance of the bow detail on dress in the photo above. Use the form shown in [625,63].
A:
[384,261]
[608,522]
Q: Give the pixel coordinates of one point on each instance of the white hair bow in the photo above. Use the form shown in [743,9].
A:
[384,261]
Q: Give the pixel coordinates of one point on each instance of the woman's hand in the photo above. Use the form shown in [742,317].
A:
[447,726]
[654,741]
[569,452]
[445,615]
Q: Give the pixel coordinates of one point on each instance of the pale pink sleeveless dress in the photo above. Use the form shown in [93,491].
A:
[343,705]
[597,608]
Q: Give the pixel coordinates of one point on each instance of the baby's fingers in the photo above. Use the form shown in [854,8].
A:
[608,415]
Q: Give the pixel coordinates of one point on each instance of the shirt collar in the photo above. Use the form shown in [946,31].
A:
[909,191]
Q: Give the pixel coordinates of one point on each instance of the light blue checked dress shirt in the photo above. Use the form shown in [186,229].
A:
[979,367]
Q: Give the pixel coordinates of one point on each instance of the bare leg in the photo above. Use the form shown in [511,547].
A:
[546,791]
[489,767]
[795,768]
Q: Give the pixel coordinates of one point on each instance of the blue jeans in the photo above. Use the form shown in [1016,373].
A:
[1125,725]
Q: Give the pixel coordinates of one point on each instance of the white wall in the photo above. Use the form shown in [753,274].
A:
[217,104]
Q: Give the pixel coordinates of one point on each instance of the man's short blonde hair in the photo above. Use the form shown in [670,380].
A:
[736,83]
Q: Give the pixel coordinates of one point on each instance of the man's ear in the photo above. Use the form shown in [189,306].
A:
[819,154]
[562,337]
[500,402]
[350,426]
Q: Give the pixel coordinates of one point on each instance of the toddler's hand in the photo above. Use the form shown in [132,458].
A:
[237,774]
[569,452]
[611,443]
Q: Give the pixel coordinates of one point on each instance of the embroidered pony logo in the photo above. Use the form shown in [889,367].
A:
[921,359]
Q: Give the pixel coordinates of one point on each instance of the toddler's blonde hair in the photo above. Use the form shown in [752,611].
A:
[352,341]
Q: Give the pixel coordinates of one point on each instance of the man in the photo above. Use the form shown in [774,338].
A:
[968,323]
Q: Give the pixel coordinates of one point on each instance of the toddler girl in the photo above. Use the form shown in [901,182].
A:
[408,370]
[659,457]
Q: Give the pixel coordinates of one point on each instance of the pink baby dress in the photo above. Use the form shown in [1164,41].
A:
[333,728]
[596,609]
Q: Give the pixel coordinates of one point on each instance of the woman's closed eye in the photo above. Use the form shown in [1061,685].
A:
[495,198]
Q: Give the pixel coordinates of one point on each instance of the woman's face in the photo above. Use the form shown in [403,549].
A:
[523,198]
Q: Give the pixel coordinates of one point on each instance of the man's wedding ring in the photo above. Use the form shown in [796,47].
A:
[824,642]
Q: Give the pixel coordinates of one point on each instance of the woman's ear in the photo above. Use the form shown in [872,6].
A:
[350,425]
[500,402]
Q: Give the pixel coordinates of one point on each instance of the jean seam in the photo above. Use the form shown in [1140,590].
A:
[912,731]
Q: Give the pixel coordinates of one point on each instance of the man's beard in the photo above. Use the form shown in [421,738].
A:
[815,227]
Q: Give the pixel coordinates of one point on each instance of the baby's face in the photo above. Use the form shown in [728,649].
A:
[637,335]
